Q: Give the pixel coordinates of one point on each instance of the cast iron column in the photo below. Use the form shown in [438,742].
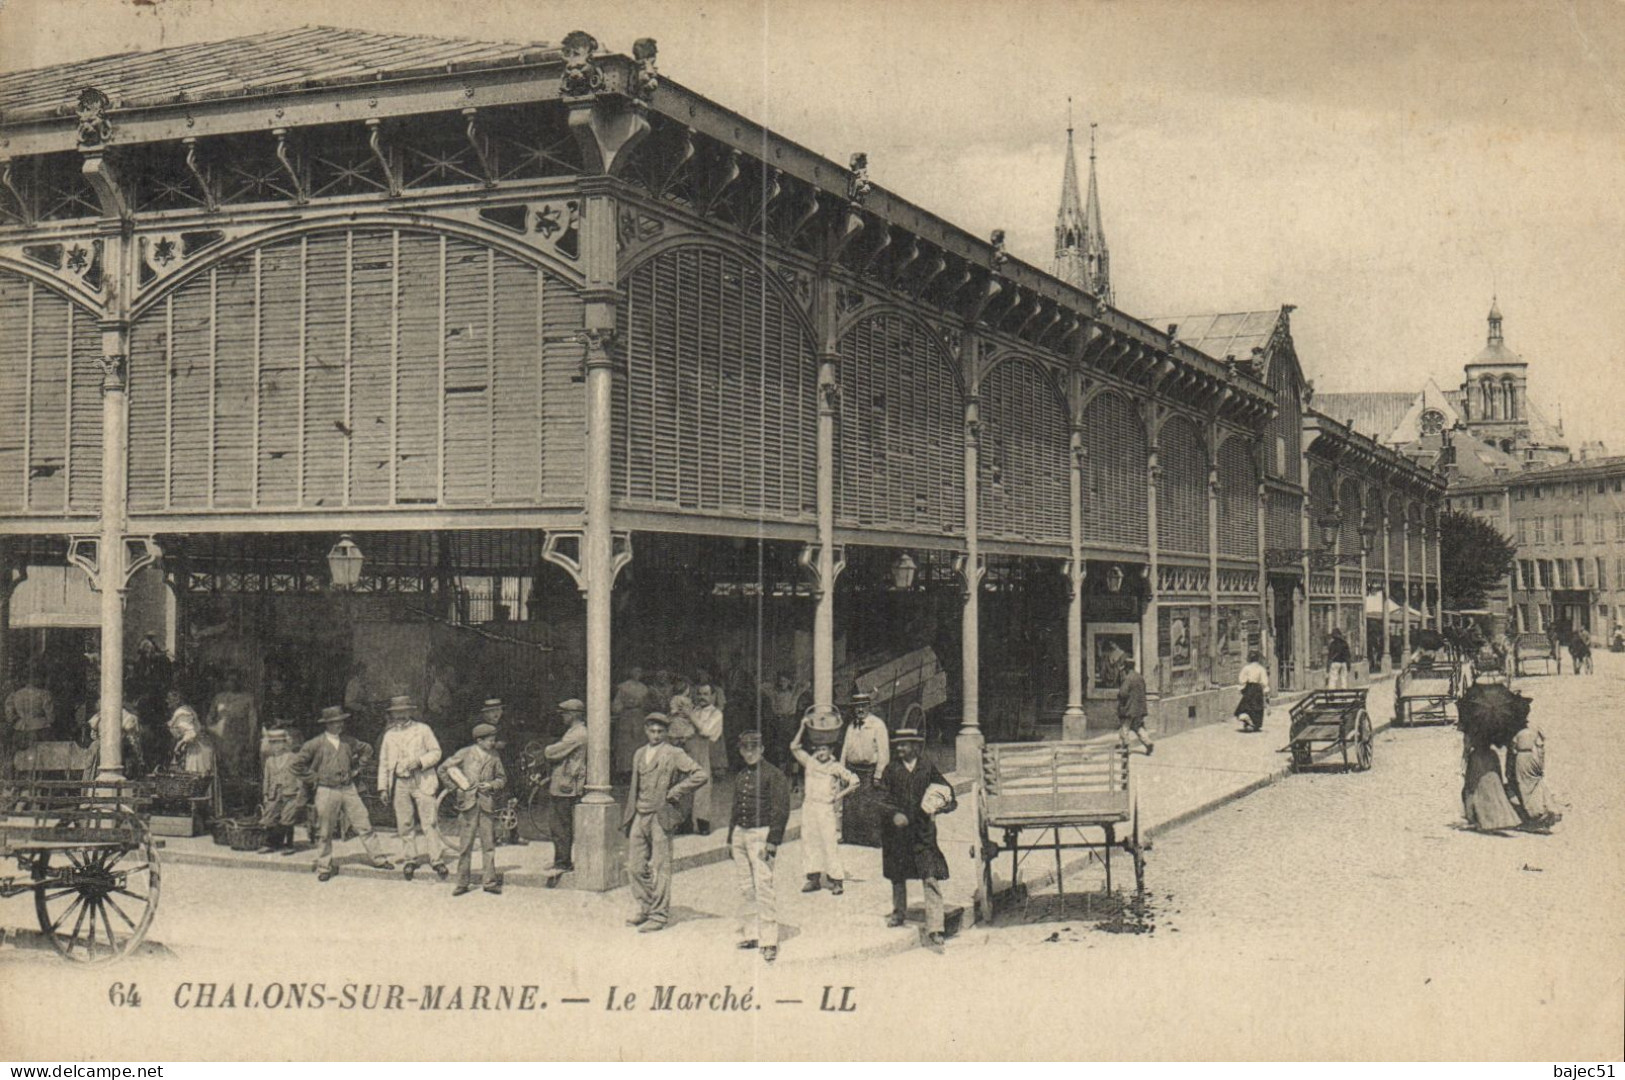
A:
[829,389]
[110,553]
[1387,587]
[608,122]
[968,746]
[1075,722]
[1405,608]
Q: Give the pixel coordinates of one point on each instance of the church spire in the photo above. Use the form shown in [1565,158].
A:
[1495,322]
[1081,257]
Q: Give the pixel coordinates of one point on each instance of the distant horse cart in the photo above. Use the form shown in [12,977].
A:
[1534,654]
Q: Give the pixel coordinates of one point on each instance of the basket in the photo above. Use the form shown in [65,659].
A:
[220,830]
[178,787]
[245,834]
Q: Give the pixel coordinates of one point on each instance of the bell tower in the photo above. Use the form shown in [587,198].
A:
[1081,256]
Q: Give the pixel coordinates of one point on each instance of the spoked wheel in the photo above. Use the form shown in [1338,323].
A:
[1362,748]
[96,902]
[535,768]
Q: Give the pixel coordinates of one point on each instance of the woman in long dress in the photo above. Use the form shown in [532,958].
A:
[1526,779]
[1483,794]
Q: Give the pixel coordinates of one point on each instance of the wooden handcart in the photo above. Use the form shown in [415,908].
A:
[1050,788]
[89,858]
[1424,692]
[1530,650]
[1327,721]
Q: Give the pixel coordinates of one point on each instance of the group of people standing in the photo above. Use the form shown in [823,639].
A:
[884,772]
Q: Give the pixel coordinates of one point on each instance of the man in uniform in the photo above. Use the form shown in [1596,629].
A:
[406,779]
[662,778]
[477,775]
[568,782]
[331,761]
[761,810]
[909,843]
[866,751]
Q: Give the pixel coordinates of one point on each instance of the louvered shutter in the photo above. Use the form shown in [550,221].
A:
[1182,518]
[326,420]
[371,366]
[417,375]
[85,413]
[1238,486]
[279,310]
[1115,495]
[1023,488]
[191,379]
[1285,520]
[900,447]
[48,408]
[718,400]
[234,378]
[149,407]
[15,354]
[518,405]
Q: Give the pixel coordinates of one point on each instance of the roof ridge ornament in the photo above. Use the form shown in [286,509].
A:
[858,187]
[644,51]
[95,130]
[582,76]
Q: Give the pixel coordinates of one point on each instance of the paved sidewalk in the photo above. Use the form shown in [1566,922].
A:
[1190,774]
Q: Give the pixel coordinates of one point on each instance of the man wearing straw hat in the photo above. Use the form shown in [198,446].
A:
[331,762]
[866,752]
[406,779]
[909,843]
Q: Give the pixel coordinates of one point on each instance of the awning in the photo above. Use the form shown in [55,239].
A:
[1375,603]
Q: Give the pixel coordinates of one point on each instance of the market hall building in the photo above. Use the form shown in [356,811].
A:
[502,369]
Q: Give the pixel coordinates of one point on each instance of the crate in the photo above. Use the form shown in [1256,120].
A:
[1055,783]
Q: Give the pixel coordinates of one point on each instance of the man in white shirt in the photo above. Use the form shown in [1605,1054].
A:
[706,716]
[828,782]
[29,712]
[406,779]
[866,751]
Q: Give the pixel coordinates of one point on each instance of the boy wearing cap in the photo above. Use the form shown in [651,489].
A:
[331,762]
[477,774]
[761,810]
[662,778]
[909,842]
[828,782]
[282,795]
[568,781]
[407,781]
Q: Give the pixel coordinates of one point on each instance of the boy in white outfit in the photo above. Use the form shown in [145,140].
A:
[828,782]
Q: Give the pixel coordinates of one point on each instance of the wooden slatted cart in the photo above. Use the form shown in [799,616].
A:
[1060,789]
[89,859]
[1329,720]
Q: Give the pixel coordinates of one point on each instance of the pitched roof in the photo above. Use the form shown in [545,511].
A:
[256,64]
[1376,413]
[1234,334]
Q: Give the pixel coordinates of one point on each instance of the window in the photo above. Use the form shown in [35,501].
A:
[1557,528]
[1602,487]
[1602,574]
[1619,571]
[1619,485]
[1520,494]
[1599,529]
[1580,573]
[1524,624]
[1544,566]
[1495,502]
[1545,617]
[1521,532]
[1564,576]
[1579,528]
[1537,491]
[1540,530]
[1478,502]
[1619,524]
[1526,572]
[493,599]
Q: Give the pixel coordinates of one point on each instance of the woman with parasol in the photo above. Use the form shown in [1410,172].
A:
[1490,716]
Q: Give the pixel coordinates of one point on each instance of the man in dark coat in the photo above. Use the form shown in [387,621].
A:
[908,842]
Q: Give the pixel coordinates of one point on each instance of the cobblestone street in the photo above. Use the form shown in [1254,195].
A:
[1329,915]
[1350,915]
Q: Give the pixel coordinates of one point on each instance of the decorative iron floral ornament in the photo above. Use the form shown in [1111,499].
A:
[581,76]
[94,127]
[858,188]
[647,81]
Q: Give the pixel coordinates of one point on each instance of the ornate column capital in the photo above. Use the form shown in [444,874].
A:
[114,367]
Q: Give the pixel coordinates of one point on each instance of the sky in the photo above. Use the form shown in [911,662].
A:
[1387,167]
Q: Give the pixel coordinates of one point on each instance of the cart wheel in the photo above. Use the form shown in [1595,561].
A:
[96,906]
[914,717]
[1138,850]
[1362,748]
